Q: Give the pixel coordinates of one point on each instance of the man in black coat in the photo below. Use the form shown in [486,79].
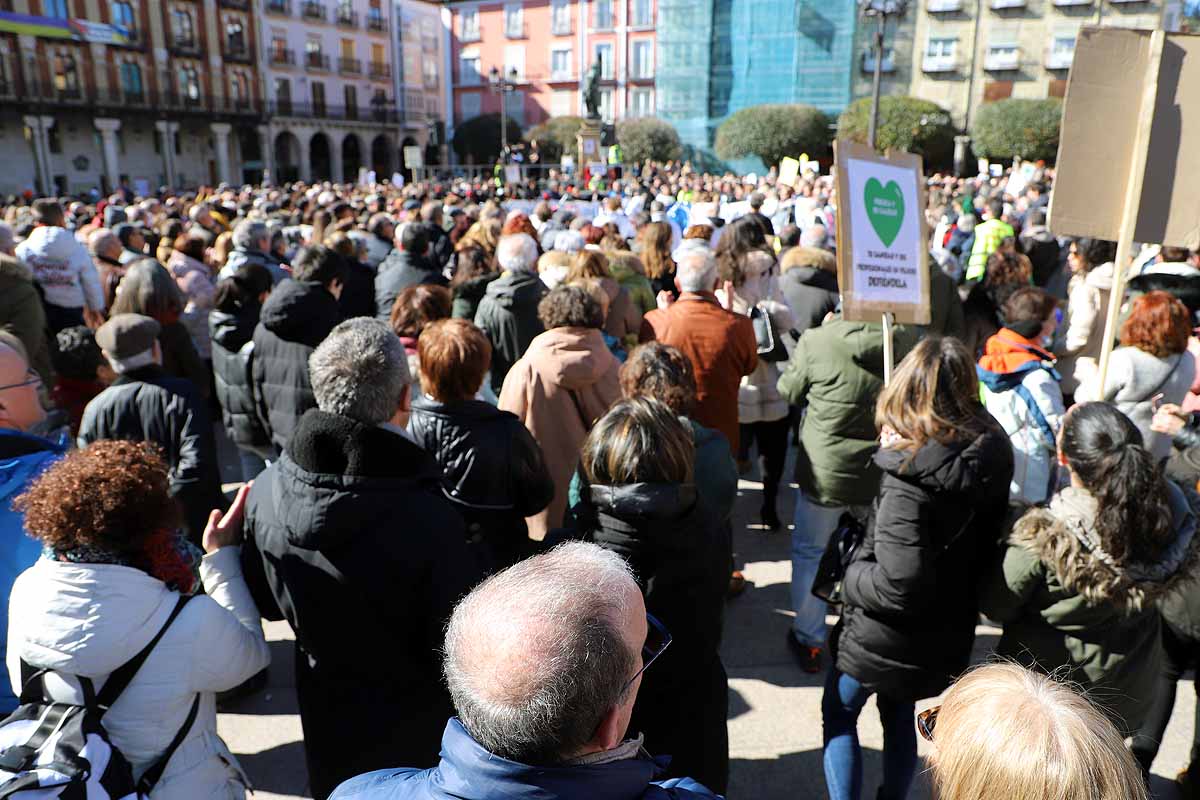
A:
[365,558]
[145,404]
[296,317]
[408,265]
[440,246]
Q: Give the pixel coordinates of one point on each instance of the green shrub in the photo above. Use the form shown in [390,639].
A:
[648,138]
[905,123]
[1015,127]
[554,137]
[772,132]
[478,139]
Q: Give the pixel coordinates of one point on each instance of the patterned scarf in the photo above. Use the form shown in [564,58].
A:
[166,555]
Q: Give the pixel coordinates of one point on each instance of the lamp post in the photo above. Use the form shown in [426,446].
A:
[503,84]
[880,10]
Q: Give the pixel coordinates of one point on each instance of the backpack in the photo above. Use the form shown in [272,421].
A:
[50,749]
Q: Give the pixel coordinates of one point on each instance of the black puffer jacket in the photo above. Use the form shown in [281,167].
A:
[295,319]
[358,290]
[399,271]
[232,355]
[492,470]
[508,315]
[911,599]
[348,535]
[148,405]
[679,551]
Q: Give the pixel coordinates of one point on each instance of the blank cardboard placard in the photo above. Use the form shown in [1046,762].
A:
[882,241]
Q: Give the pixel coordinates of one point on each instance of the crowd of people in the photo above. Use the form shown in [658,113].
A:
[490,440]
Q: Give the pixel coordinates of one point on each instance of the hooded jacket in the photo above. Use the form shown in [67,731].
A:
[1020,390]
[296,317]
[63,268]
[232,356]
[1066,603]
[624,320]
[492,471]
[468,294]
[239,258]
[836,372]
[1078,349]
[908,621]
[811,292]
[399,271]
[679,550]
[89,619]
[638,286]
[23,458]
[508,315]
[350,536]
[21,313]
[558,389]
[468,772]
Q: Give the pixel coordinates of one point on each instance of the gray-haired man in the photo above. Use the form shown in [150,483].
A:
[349,535]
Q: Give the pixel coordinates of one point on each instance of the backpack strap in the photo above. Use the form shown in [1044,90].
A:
[121,677]
[151,775]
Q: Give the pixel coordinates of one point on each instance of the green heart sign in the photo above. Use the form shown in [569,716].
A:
[885,209]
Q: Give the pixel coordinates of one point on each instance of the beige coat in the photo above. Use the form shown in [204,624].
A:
[566,380]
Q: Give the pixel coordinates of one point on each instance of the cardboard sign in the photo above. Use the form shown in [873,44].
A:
[881,235]
[1156,77]
[789,168]
[414,157]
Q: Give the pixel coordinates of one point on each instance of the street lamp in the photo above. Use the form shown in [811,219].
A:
[503,84]
[880,10]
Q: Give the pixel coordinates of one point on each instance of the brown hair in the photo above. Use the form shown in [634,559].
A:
[454,356]
[112,495]
[1006,268]
[591,234]
[342,244]
[704,232]
[639,440]
[1028,304]
[1158,324]
[655,241]
[418,306]
[588,264]
[191,246]
[934,395]
[662,372]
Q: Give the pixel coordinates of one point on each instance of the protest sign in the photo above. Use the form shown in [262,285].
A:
[512,173]
[881,235]
[414,158]
[789,168]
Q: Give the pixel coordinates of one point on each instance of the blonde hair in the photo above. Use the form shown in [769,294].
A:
[1006,733]
[933,395]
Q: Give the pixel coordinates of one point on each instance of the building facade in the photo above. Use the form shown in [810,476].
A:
[420,84]
[330,88]
[140,93]
[546,47]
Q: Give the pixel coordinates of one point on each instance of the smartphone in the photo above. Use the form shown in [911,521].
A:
[1156,401]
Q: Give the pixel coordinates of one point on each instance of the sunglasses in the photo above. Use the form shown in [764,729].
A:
[927,721]
[658,639]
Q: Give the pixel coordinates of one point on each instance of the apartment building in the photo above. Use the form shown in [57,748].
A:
[330,88]
[420,78]
[545,49]
[140,93]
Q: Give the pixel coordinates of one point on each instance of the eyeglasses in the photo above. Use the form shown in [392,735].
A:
[658,639]
[31,378]
[927,721]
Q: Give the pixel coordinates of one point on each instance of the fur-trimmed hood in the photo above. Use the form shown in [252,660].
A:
[1063,537]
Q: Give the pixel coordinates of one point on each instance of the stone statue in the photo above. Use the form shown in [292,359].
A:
[591,91]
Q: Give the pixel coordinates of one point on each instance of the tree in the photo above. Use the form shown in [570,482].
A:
[554,137]
[772,132]
[478,139]
[1018,128]
[905,123]
[648,138]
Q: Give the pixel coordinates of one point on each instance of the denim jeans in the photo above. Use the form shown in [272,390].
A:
[813,525]
[841,704]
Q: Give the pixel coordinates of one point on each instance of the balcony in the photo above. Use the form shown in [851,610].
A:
[283,58]
[1002,59]
[311,9]
[514,30]
[943,6]
[240,5]
[1059,59]
[469,35]
[39,96]
[376,23]
[347,18]
[184,47]
[350,66]
[283,7]
[561,28]
[939,63]
[316,62]
[1129,2]
[238,55]
[1004,5]
[377,112]
[380,70]
[887,65]
[1069,3]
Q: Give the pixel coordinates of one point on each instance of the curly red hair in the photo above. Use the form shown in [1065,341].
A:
[1158,324]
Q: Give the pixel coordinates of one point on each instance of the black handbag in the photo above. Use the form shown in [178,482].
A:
[767,342]
[843,543]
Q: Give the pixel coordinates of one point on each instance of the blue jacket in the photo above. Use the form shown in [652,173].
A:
[468,772]
[22,458]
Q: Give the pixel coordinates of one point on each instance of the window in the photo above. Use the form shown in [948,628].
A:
[56,8]
[941,48]
[429,70]
[350,94]
[604,54]
[183,27]
[642,18]
[239,90]
[347,48]
[643,58]
[469,106]
[640,103]
[606,105]
[377,55]
[66,74]
[318,98]
[468,69]
[604,15]
[562,104]
[560,63]
[345,12]
[560,17]
[131,79]
[235,36]
[283,95]
[312,47]
[470,26]
[1063,45]
[514,60]
[122,16]
[189,83]
[514,21]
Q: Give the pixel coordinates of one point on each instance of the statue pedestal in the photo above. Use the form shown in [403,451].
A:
[588,140]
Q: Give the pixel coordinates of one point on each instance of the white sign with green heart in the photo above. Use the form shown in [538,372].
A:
[885,232]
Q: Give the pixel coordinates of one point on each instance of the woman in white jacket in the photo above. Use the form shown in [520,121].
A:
[110,576]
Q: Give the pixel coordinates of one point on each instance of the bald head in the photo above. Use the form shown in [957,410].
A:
[539,656]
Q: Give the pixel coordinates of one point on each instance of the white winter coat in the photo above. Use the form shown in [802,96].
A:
[89,619]
[758,398]
[63,268]
[1034,456]
[1082,333]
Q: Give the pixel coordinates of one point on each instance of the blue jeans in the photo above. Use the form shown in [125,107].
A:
[813,525]
[841,704]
